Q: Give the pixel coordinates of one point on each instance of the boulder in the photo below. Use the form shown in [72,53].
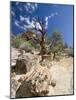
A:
[14,85]
[35,84]
[53,83]
[26,62]
[20,67]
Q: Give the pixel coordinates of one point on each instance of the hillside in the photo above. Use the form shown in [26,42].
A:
[47,78]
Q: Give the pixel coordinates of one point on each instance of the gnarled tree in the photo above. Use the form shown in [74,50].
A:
[39,27]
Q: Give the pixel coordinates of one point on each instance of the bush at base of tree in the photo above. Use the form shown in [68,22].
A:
[69,52]
[27,46]
[20,43]
[17,41]
[57,44]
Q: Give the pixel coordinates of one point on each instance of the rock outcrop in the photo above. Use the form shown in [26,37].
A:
[14,85]
[31,77]
[36,83]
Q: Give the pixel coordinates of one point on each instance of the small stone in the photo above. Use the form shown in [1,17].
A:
[53,83]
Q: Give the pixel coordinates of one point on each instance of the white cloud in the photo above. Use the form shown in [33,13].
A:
[17,3]
[16,23]
[28,4]
[29,24]
[38,26]
[20,9]
[56,13]
[49,17]
[20,24]
[25,19]
[22,18]
[12,13]
[36,5]
[46,22]
[30,7]
[33,23]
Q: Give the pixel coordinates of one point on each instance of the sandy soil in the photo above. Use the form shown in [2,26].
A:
[62,72]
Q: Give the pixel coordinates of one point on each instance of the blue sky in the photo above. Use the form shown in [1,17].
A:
[57,18]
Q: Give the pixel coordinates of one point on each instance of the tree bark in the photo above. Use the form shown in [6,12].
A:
[42,45]
[54,55]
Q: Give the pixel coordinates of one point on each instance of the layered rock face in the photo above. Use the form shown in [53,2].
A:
[31,78]
[36,83]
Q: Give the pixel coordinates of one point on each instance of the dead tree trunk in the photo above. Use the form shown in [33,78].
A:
[41,30]
[42,44]
[54,55]
[43,48]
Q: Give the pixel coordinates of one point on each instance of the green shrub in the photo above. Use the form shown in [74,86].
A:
[27,46]
[69,52]
[17,41]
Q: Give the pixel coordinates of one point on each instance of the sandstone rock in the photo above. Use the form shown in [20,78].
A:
[51,91]
[24,90]
[26,62]
[46,63]
[35,84]
[31,78]
[14,56]
[53,83]
[14,86]
[21,66]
